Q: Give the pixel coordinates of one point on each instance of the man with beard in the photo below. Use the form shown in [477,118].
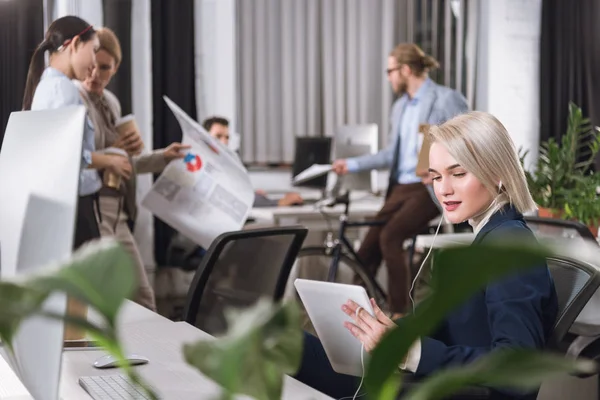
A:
[408,206]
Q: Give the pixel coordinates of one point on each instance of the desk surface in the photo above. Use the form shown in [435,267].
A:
[149,334]
[161,340]
[443,240]
[360,207]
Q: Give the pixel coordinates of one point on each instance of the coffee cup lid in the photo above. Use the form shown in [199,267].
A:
[115,151]
[124,119]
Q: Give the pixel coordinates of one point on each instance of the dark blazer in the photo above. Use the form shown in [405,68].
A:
[518,311]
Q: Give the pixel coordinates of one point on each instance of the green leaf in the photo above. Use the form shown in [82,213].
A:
[264,343]
[560,163]
[509,369]
[457,274]
[100,274]
[18,302]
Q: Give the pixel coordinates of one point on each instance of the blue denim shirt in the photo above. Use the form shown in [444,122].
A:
[56,90]
[409,138]
[408,129]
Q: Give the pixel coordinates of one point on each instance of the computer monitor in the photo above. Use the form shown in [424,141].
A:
[354,141]
[309,151]
[41,153]
[39,176]
[46,238]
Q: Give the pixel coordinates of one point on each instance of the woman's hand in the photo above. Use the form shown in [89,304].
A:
[119,165]
[366,328]
[173,151]
[131,142]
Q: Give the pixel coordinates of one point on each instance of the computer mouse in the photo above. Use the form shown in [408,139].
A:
[109,361]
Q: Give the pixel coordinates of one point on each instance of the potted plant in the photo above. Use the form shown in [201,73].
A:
[561,168]
[583,204]
[264,342]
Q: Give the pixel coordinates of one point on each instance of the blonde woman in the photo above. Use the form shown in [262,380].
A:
[118,206]
[478,178]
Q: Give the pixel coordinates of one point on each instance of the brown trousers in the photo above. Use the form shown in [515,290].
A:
[407,210]
[113,217]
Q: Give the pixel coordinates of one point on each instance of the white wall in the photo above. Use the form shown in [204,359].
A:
[216,59]
[508,68]
[89,10]
[141,97]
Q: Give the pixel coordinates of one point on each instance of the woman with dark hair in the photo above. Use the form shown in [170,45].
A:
[72,43]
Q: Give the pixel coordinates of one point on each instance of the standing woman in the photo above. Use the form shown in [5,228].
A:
[72,43]
[118,205]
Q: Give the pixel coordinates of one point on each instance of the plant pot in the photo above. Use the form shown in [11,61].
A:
[544,212]
[75,308]
[594,230]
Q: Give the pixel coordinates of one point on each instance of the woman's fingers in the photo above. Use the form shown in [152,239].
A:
[381,316]
[362,317]
[360,334]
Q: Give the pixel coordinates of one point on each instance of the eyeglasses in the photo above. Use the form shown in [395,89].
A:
[390,70]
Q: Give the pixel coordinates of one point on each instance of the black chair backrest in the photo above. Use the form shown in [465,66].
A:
[575,283]
[238,269]
[552,227]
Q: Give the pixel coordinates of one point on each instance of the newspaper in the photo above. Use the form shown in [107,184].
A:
[314,171]
[204,194]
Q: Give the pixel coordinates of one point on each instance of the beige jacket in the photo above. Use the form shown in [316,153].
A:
[152,162]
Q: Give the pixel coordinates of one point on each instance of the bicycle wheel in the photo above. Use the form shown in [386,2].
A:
[314,262]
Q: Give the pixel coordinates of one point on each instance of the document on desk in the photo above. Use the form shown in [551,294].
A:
[311,172]
[204,194]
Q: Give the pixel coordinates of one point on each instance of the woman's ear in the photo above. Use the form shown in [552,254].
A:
[75,42]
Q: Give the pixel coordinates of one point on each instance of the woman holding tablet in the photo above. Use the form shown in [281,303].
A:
[477,177]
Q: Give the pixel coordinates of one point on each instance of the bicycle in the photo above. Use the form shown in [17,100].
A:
[339,249]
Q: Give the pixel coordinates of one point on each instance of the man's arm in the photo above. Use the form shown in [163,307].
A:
[380,160]
[385,157]
[260,200]
[153,162]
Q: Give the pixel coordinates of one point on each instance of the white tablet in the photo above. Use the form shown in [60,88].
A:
[323,301]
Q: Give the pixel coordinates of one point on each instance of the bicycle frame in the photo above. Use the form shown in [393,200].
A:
[342,240]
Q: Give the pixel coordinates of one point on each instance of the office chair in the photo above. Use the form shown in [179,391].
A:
[552,227]
[239,268]
[575,281]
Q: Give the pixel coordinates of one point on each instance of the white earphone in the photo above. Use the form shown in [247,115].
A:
[499,185]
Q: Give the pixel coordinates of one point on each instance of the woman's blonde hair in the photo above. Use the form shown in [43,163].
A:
[481,144]
[410,54]
[110,43]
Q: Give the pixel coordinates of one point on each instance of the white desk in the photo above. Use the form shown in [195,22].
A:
[313,217]
[161,340]
[443,240]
